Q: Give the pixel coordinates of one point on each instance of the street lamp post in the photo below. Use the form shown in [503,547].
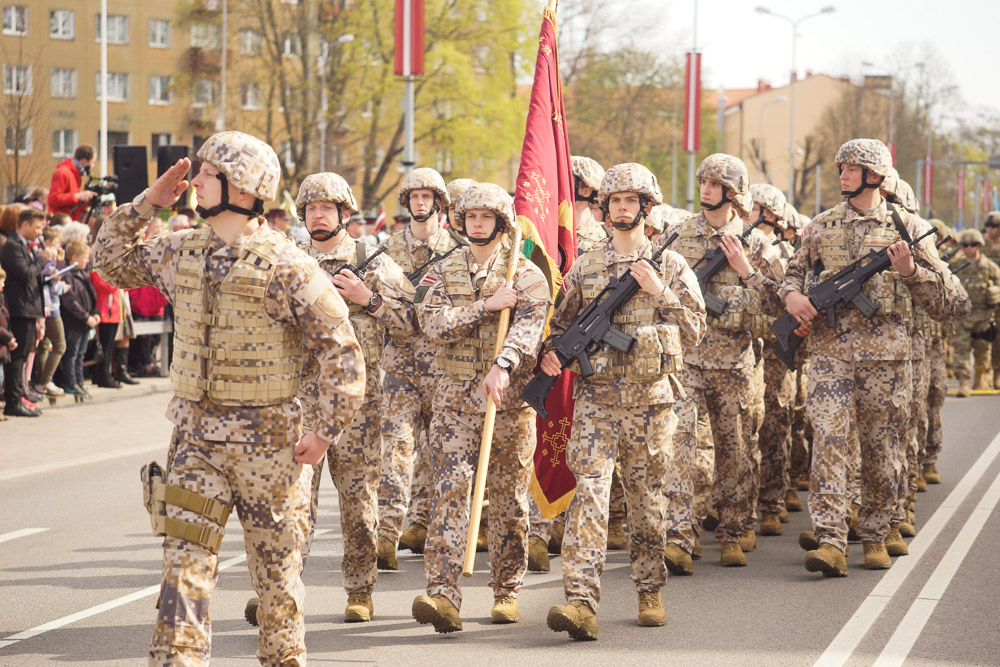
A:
[791,89]
[760,135]
[321,61]
[928,185]
[892,102]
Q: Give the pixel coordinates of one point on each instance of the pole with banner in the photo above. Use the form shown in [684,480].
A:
[409,64]
[928,179]
[692,116]
[961,197]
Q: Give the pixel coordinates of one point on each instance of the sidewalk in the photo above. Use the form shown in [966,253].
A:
[154,385]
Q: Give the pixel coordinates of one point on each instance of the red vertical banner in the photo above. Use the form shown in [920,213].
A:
[409,55]
[928,179]
[892,150]
[961,189]
[692,101]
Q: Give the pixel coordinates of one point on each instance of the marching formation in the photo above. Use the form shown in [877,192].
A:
[697,407]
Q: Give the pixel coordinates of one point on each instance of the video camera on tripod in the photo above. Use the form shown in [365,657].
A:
[105,188]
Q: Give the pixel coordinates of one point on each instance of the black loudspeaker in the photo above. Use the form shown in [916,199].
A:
[130,165]
[167,156]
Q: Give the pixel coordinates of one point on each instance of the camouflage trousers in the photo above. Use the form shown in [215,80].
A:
[353,462]
[541,526]
[906,489]
[640,439]
[963,345]
[406,415]
[995,349]
[937,391]
[727,396]
[775,433]
[455,438]
[755,425]
[800,456]
[270,493]
[873,396]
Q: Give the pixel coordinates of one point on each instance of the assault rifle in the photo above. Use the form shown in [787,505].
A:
[418,273]
[589,332]
[715,260]
[960,269]
[837,291]
[362,268]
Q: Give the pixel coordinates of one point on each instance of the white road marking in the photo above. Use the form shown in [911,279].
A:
[83,460]
[843,645]
[24,532]
[112,604]
[901,643]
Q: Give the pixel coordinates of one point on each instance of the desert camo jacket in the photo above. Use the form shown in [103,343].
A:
[299,294]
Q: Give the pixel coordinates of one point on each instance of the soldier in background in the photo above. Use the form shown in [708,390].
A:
[411,373]
[458,304]
[991,249]
[455,189]
[623,415]
[246,302]
[981,280]
[587,177]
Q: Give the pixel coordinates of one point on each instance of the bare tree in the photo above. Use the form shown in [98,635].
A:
[26,116]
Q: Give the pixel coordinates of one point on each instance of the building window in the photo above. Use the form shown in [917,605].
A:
[204,93]
[17,79]
[159,90]
[292,45]
[252,97]
[62,83]
[117,29]
[158,139]
[63,143]
[159,33]
[250,42]
[62,24]
[118,86]
[15,19]
[205,36]
[17,140]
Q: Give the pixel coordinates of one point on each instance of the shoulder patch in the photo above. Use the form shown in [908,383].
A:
[423,287]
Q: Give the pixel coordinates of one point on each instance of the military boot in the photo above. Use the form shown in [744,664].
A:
[711,521]
[386,555]
[651,611]
[827,559]
[413,538]
[576,618]
[482,543]
[894,543]
[359,608]
[770,524]
[964,391]
[616,536]
[438,611]
[921,483]
[251,610]
[876,557]
[906,529]
[732,555]
[792,502]
[538,554]
[808,541]
[677,560]
[783,516]
[980,384]
[555,537]
[505,610]
[803,483]
[852,524]
[696,554]
[931,474]
[748,540]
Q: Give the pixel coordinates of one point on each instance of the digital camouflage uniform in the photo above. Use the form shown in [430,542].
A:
[936,338]
[718,373]
[981,280]
[623,414]
[451,313]
[242,313]
[589,231]
[411,377]
[992,251]
[859,370]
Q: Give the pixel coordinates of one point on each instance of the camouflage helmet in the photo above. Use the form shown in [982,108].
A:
[657,219]
[939,226]
[792,218]
[771,198]
[491,197]
[993,217]
[629,177]
[423,178]
[731,173]
[899,192]
[803,220]
[870,154]
[326,186]
[675,216]
[589,171]
[457,187]
[248,164]
[971,236]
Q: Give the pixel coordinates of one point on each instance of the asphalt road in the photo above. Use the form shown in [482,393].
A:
[79,571]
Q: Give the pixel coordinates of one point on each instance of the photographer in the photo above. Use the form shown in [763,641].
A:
[65,194]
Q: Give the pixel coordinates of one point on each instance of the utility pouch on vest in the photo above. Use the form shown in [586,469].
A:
[732,317]
[157,495]
[152,478]
[645,362]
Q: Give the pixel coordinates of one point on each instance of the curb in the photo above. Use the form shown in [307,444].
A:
[145,387]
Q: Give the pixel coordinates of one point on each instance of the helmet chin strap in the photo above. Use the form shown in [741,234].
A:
[224,205]
[424,218]
[865,185]
[485,241]
[323,235]
[626,226]
[715,207]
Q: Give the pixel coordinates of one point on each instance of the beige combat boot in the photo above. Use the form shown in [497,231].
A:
[438,611]
[803,483]
[770,524]
[964,391]
[921,483]
[894,543]
[808,541]
[748,540]
[251,611]
[616,536]
[651,611]
[677,560]
[386,559]
[696,554]
[732,555]
[876,557]
[555,537]
[414,538]
[359,608]
[980,384]
[931,474]
[827,559]
[505,610]
[538,554]
[792,502]
[576,618]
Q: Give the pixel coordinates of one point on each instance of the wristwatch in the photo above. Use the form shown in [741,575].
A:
[374,303]
[750,276]
[504,364]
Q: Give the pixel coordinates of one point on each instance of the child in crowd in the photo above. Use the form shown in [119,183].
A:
[53,346]
[79,315]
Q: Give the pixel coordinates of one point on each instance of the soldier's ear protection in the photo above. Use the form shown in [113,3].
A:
[865,185]
[224,205]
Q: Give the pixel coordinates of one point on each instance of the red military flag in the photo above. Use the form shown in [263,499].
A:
[543,199]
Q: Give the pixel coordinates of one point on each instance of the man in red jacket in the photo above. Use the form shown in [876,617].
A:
[65,195]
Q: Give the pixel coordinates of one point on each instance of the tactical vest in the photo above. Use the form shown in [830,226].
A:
[657,351]
[440,243]
[472,356]
[982,293]
[369,331]
[885,289]
[226,346]
[743,312]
